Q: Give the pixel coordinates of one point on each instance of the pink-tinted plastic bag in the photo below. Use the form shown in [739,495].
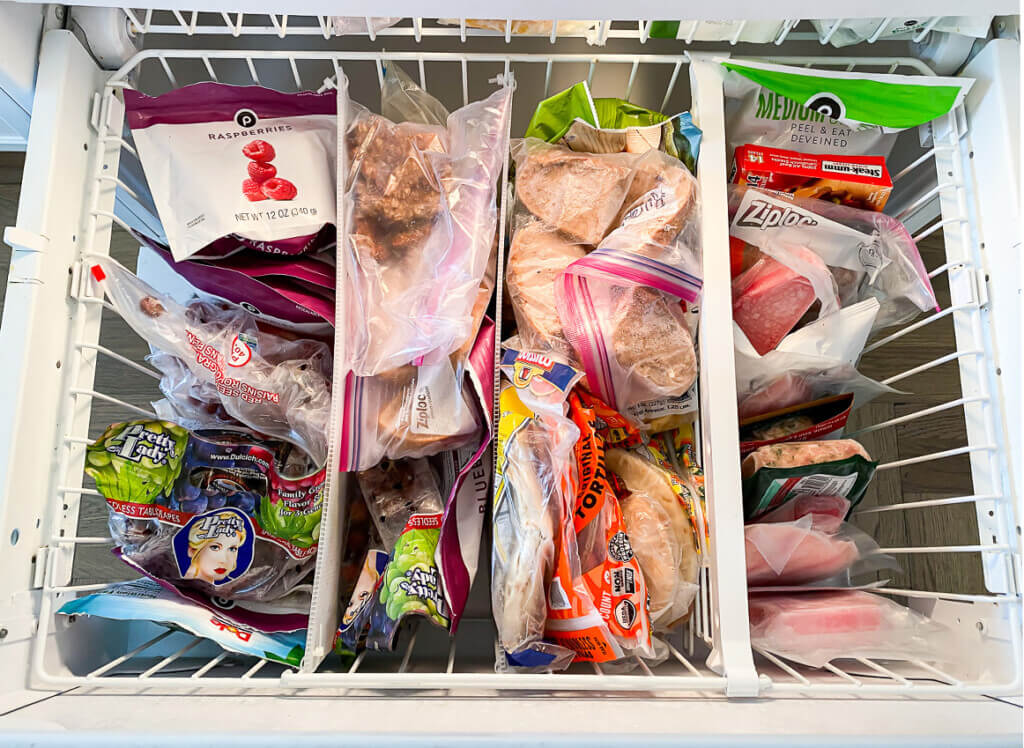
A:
[815,628]
[421,205]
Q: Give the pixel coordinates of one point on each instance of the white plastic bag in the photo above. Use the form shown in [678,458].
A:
[344,25]
[856,30]
[421,217]
[275,386]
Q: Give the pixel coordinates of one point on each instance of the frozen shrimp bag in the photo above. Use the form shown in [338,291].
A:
[867,255]
[420,196]
[244,162]
[276,386]
[543,611]
[815,628]
[218,513]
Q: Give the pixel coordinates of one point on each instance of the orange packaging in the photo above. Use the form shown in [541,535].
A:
[611,571]
[858,181]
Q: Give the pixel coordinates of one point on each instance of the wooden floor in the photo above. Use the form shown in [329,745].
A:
[921,527]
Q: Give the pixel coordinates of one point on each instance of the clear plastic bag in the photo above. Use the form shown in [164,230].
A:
[815,628]
[421,202]
[275,386]
[587,29]
[344,25]
[869,254]
[805,551]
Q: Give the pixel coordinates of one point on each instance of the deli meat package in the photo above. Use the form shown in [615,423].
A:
[604,270]
[419,188]
[242,163]
[815,628]
[813,258]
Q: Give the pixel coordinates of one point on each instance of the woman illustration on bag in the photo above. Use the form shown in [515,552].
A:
[218,548]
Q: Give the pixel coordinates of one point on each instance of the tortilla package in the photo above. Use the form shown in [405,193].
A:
[421,201]
[244,162]
[610,567]
[225,514]
[276,386]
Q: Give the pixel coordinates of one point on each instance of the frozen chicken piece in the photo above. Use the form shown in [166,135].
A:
[793,553]
[797,454]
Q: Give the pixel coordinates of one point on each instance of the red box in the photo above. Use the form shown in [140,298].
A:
[858,181]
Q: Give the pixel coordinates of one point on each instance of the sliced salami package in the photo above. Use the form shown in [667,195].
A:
[245,163]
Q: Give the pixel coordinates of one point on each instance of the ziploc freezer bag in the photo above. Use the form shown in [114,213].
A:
[146,600]
[421,203]
[830,111]
[244,161]
[224,513]
[274,385]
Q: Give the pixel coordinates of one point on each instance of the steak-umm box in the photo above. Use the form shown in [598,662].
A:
[858,181]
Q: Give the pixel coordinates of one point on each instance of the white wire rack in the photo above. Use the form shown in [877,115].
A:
[428,663]
[194,22]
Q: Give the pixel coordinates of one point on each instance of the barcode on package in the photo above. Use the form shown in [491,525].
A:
[874,171]
[828,485]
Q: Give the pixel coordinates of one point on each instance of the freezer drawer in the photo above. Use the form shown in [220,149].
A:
[53,326]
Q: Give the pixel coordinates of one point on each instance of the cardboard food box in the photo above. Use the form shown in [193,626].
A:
[858,181]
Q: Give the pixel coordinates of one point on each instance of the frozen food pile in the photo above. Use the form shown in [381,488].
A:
[340,265]
[218,498]
[598,522]
[817,270]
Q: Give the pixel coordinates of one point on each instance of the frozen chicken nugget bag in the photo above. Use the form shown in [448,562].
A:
[611,570]
[543,611]
[420,201]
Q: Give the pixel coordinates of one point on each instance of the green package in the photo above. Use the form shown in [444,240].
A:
[770,487]
[576,119]
[858,100]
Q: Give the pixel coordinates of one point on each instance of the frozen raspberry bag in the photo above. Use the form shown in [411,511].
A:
[276,386]
[420,202]
[242,161]
[220,513]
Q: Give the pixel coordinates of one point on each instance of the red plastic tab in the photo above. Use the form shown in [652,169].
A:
[97,273]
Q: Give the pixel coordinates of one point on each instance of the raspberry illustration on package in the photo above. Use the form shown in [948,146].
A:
[279,189]
[253,190]
[260,151]
[261,172]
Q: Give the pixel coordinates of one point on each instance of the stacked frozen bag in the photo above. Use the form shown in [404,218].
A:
[817,269]
[596,527]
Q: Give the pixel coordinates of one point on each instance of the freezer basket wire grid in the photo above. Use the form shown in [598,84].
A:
[144,657]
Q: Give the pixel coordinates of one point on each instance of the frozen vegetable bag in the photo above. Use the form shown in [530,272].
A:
[244,161]
[420,188]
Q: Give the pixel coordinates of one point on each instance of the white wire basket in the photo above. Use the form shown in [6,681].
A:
[106,654]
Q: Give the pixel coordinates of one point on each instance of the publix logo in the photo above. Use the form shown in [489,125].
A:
[246,118]
[764,215]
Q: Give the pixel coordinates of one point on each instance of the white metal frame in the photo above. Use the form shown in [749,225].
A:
[720,620]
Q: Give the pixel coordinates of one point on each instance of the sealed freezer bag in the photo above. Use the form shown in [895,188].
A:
[146,600]
[867,254]
[830,111]
[420,197]
[241,161]
[808,551]
[222,513]
[543,611]
[274,385]
[777,473]
[815,628]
